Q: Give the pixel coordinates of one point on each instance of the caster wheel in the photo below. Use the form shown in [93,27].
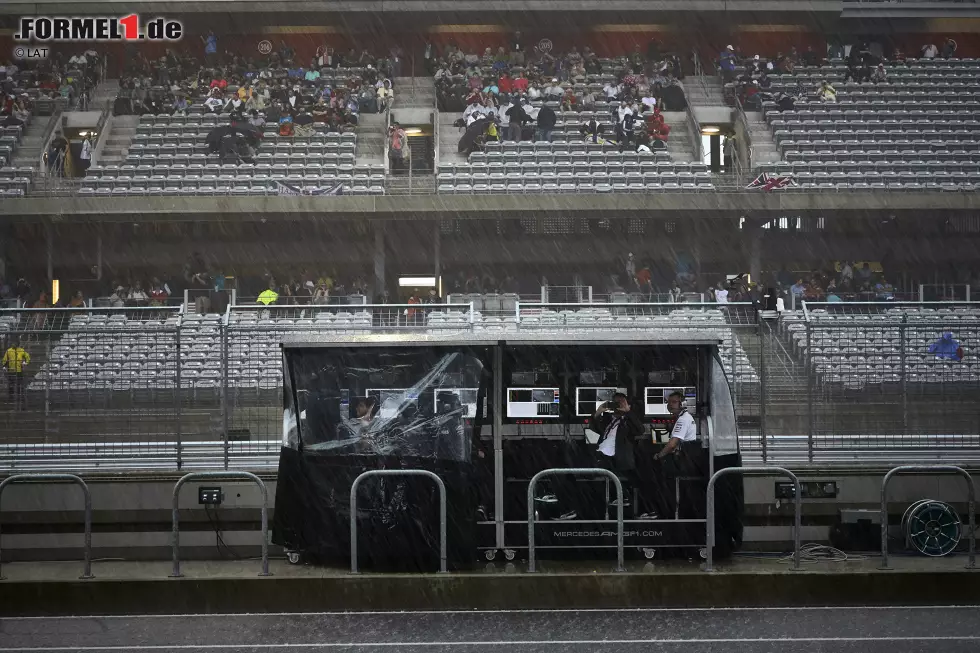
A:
[703,552]
[490,554]
[649,554]
[510,554]
[294,557]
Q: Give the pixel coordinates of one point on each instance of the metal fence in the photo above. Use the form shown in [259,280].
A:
[161,388]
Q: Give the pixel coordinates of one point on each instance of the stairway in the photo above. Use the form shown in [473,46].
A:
[449,139]
[698,97]
[370,139]
[764,148]
[121,134]
[104,92]
[680,144]
[414,93]
[28,152]
[417,184]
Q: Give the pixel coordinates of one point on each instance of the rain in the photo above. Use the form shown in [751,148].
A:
[463,326]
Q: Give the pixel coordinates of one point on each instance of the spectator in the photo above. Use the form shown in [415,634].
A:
[517,50]
[518,118]
[879,75]
[77,300]
[798,289]
[949,49]
[86,155]
[929,51]
[210,47]
[15,359]
[727,63]
[826,92]
[546,123]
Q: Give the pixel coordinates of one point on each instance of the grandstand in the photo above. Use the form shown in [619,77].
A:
[919,130]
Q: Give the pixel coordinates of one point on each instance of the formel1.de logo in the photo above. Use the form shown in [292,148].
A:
[69,29]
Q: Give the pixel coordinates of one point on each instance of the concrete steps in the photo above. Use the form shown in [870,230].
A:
[28,152]
[764,148]
[107,90]
[680,143]
[118,140]
[370,138]
[698,96]
[449,139]
[414,93]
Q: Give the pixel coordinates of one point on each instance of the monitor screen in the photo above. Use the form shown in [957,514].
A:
[587,399]
[532,402]
[655,399]
[467,398]
[390,399]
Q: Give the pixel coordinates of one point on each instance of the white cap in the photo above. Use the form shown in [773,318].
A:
[756,57]
[729,48]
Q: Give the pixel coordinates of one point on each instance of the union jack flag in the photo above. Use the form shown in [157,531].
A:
[282,188]
[768,182]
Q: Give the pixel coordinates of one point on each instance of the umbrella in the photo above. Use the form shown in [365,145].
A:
[251,133]
[478,128]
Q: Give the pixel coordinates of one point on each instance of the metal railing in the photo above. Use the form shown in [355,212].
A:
[746,165]
[223,476]
[53,124]
[694,127]
[193,392]
[755,471]
[575,471]
[920,469]
[398,472]
[30,478]
[387,135]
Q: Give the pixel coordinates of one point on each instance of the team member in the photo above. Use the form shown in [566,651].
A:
[685,430]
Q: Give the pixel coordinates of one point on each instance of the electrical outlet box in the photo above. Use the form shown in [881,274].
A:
[209,496]
[810,489]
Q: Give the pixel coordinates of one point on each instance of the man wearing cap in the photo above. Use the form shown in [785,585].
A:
[726,60]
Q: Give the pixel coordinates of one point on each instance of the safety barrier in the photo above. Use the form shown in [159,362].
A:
[398,472]
[755,471]
[574,471]
[914,469]
[26,478]
[224,476]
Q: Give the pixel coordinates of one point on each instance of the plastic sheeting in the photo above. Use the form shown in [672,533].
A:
[724,435]
[350,410]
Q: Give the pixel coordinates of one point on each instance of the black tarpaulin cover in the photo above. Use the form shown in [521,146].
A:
[350,410]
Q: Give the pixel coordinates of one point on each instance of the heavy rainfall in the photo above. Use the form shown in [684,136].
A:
[525,326]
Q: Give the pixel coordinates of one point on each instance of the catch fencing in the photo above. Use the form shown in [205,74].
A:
[164,388]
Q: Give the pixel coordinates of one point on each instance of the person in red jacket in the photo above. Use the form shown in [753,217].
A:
[505,84]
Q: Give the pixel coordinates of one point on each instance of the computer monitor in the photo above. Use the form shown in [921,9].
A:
[588,398]
[539,403]
[655,399]
[389,400]
[467,398]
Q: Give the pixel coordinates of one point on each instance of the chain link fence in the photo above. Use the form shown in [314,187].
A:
[160,388]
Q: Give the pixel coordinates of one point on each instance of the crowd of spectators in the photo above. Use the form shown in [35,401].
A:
[277,88]
[750,77]
[512,89]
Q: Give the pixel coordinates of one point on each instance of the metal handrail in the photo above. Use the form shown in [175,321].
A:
[398,472]
[695,128]
[744,122]
[574,471]
[387,137]
[87,549]
[699,72]
[913,469]
[48,134]
[228,476]
[755,471]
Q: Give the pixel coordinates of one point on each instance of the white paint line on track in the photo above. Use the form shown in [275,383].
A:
[341,613]
[566,642]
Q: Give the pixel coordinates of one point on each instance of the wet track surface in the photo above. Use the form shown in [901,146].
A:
[745,630]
